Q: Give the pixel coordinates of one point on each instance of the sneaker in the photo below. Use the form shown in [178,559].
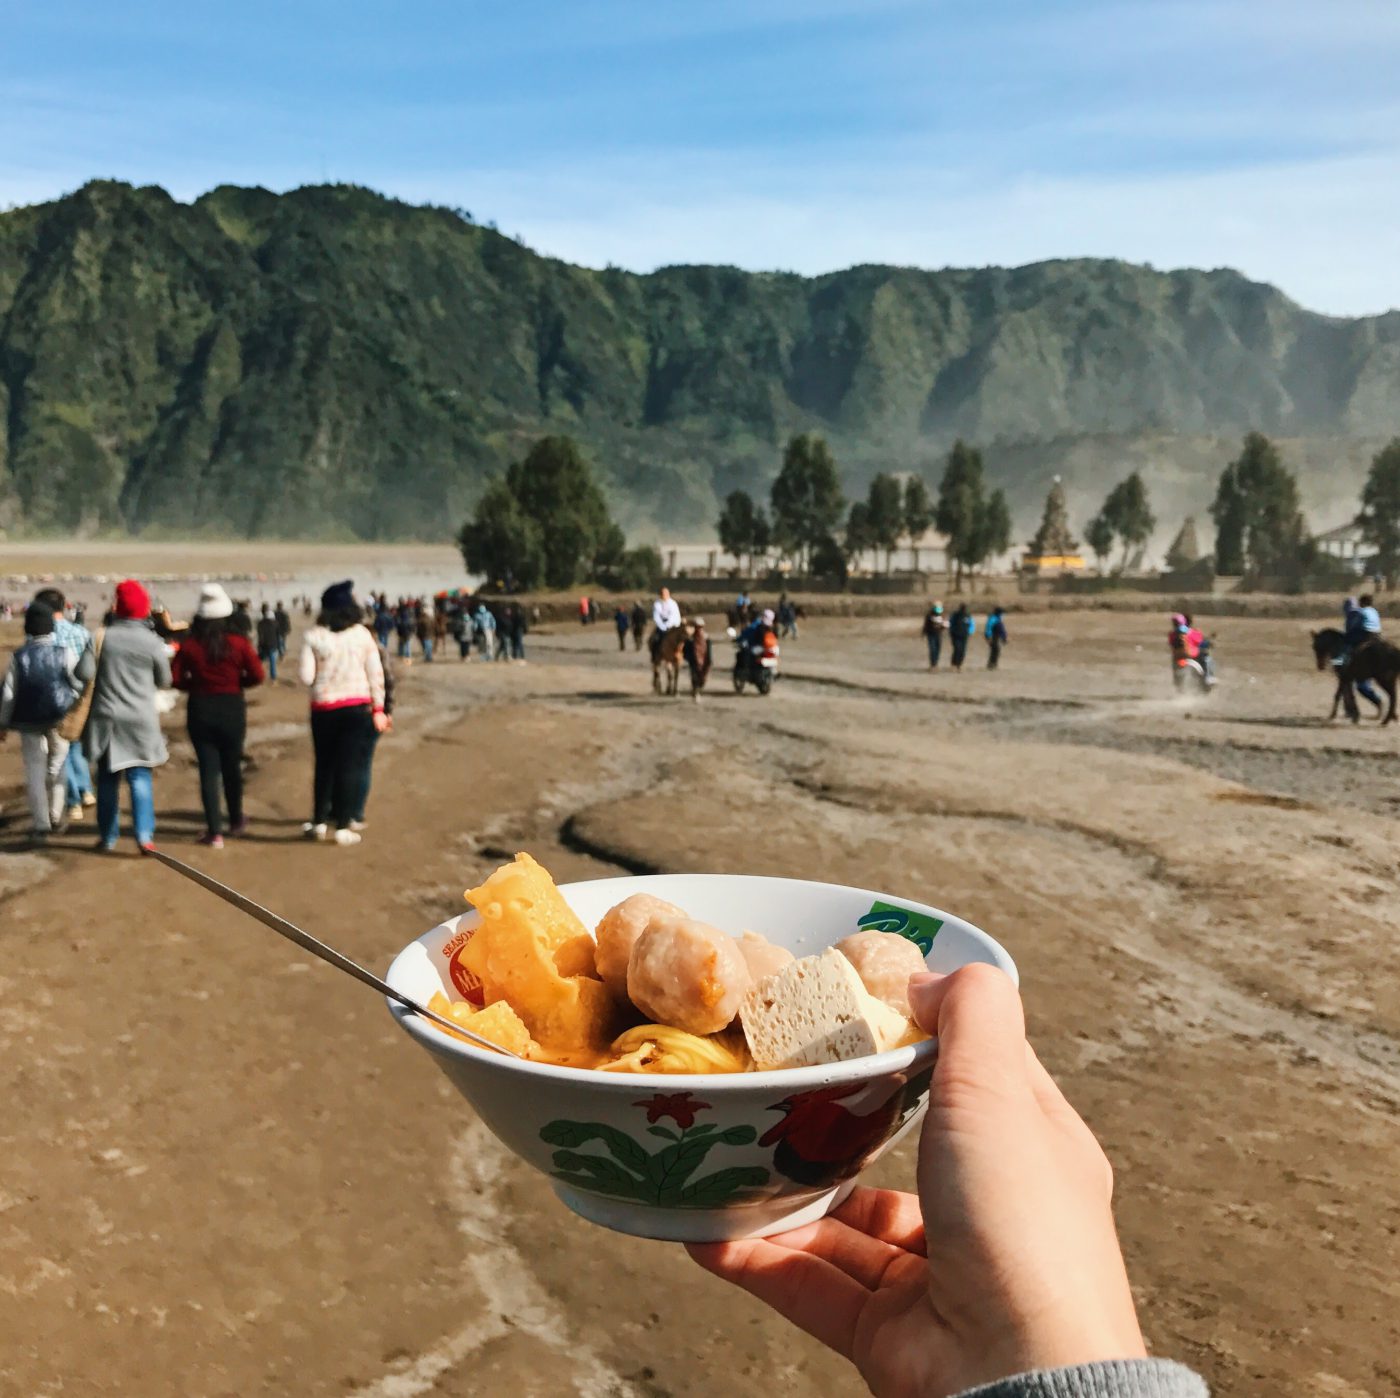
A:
[359,825]
[347,837]
[39,838]
[88,799]
[104,847]
[75,812]
[318,831]
[238,830]
[146,846]
[211,839]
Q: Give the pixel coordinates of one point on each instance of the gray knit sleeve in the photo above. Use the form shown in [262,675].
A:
[1118,1378]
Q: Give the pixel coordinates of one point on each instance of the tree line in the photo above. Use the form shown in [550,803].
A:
[810,522]
[545,522]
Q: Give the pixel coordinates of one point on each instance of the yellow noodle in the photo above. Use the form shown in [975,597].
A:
[662,1048]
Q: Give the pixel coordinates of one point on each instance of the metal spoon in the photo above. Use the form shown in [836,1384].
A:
[318,948]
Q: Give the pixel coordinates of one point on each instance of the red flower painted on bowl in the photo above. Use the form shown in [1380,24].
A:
[679,1106]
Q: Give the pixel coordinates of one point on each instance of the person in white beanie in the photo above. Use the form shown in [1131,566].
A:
[214,665]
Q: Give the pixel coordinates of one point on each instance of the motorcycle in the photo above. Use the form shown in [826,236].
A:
[755,665]
[1198,671]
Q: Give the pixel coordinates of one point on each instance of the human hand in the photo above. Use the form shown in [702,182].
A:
[1007,1260]
[382,723]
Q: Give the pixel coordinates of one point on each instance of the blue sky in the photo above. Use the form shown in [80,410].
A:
[1260,134]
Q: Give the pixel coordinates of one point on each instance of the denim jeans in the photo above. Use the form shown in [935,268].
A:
[427,647]
[269,658]
[77,777]
[363,797]
[405,646]
[143,803]
[935,648]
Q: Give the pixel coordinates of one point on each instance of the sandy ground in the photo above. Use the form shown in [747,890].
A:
[226,1172]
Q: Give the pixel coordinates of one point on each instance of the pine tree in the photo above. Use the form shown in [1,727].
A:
[960,502]
[806,496]
[1259,523]
[1099,537]
[885,506]
[1380,510]
[1128,514]
[918,513]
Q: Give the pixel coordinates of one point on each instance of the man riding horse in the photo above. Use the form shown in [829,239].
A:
[1359,656]
[666,640]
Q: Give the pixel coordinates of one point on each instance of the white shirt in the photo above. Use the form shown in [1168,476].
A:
[666,613]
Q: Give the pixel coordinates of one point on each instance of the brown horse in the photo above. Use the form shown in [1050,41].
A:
[666,655]
[1370,660]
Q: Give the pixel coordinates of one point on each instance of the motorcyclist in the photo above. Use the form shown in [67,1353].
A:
[1179,638]
[758,635]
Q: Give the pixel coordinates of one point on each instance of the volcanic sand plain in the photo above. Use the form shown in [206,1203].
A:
[227,1172]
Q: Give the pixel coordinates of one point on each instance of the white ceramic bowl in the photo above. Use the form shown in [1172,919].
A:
[705,1157]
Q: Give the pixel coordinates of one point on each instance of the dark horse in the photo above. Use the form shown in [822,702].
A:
[1371,660]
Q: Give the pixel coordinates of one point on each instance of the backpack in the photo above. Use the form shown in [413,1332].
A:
[43,690]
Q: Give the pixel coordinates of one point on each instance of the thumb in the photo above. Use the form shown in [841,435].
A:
[975,1014]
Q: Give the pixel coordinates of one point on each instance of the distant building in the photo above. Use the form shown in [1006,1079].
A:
[1345,546]
[1054,549]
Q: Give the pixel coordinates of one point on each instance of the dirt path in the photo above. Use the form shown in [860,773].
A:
[226,1172]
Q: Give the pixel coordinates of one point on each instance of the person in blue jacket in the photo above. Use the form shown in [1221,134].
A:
[995,632]
[1361,622]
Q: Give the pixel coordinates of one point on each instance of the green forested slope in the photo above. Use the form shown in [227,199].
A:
[329,361]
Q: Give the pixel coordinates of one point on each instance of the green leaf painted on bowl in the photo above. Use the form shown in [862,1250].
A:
[723,1186]
[662,1177]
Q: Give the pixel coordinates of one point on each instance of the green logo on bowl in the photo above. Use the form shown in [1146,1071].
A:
[920,928]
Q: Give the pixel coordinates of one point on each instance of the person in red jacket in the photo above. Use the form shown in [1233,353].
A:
[214,665]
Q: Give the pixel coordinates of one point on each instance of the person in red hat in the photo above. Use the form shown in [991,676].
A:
[123,734]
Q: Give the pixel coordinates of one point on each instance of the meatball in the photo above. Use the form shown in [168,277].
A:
[884,961]
[761,956]
[620,927]
[688,974]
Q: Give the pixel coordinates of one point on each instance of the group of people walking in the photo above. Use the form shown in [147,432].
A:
[958,629]
[67,689]
[489,633]
[86,709]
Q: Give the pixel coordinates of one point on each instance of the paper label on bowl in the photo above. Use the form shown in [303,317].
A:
[919,928]
[467,983]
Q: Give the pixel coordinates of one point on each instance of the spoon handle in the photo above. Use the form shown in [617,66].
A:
[318,948]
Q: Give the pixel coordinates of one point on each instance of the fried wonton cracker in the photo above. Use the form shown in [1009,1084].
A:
[532,951]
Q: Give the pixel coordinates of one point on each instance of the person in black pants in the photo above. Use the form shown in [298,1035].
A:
[340,663]
[214,665]
[959,625]
[996,637]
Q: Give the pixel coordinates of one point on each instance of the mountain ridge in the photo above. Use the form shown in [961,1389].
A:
[333,360]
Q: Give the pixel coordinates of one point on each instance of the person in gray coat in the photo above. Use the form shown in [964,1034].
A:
[123,734]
